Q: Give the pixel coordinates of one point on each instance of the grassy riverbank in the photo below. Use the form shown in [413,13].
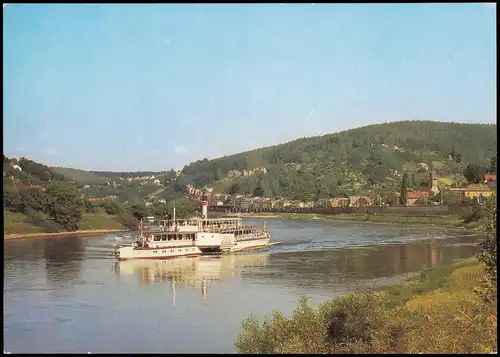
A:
[433,312]
[18,225]
[448,221]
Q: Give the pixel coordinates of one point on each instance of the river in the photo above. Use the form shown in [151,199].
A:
[69,294]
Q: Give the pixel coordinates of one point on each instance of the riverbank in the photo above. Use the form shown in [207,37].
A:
[19,225]
[62,234]
[435,311]
[448,221]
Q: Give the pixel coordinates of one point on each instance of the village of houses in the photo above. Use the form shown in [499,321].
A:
[416,197]
[248,202]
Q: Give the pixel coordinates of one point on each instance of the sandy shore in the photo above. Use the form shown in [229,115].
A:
[61,234]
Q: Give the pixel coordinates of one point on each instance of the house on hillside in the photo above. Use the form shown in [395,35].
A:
[277,203]
[15,166]
[340,202]
[359,201]
[478,190]
[490,178]
[423,166]
[38,187]
[414,196]
[323,203]
[96,199]
[474,190]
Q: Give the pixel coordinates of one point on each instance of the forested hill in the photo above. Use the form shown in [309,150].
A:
[319,166]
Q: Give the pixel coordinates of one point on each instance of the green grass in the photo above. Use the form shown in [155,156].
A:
[18,223]
[15,222]
[424,282]
[97,221]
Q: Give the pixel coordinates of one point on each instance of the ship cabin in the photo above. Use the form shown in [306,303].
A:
[173,236]
[220,224]
[212,225]
[249,233]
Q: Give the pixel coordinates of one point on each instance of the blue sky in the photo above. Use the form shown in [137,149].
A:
[151,87]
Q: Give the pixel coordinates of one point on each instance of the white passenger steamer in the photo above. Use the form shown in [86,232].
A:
[195,236]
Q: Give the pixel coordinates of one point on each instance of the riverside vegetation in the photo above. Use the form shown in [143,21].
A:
[39,200]
[449,309]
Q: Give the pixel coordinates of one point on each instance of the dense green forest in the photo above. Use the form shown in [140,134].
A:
[351,161]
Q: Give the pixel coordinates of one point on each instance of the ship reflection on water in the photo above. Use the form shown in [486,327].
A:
[190,272]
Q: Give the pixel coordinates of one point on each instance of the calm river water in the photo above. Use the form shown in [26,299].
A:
[69,295]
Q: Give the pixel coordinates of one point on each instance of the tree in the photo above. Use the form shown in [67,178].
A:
[33,198]
[474,173]
[493,164]
[169,177]
[234,189]
[459,158]
[89,207]
[404,189]
[64,204]
[258,191]
[139,210]
[112,207]
[12,199]
[183,207]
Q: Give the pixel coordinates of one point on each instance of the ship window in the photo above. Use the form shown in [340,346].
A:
[157,238]
[169,237]
[171,250]
[186,250]
[163,237]
[180,250]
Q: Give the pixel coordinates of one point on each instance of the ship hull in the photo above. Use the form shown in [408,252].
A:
[250,244]
[130,253]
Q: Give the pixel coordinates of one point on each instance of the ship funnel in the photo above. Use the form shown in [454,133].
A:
[204,209]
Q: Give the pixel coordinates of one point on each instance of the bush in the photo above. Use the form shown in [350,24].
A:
[475,212]
[487,289]
[347,324]
[112,207]
[128,220]
[449,319]
[41,220]
[35,217]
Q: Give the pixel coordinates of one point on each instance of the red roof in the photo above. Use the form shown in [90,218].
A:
[35,186]
[418,194]
[490,177]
